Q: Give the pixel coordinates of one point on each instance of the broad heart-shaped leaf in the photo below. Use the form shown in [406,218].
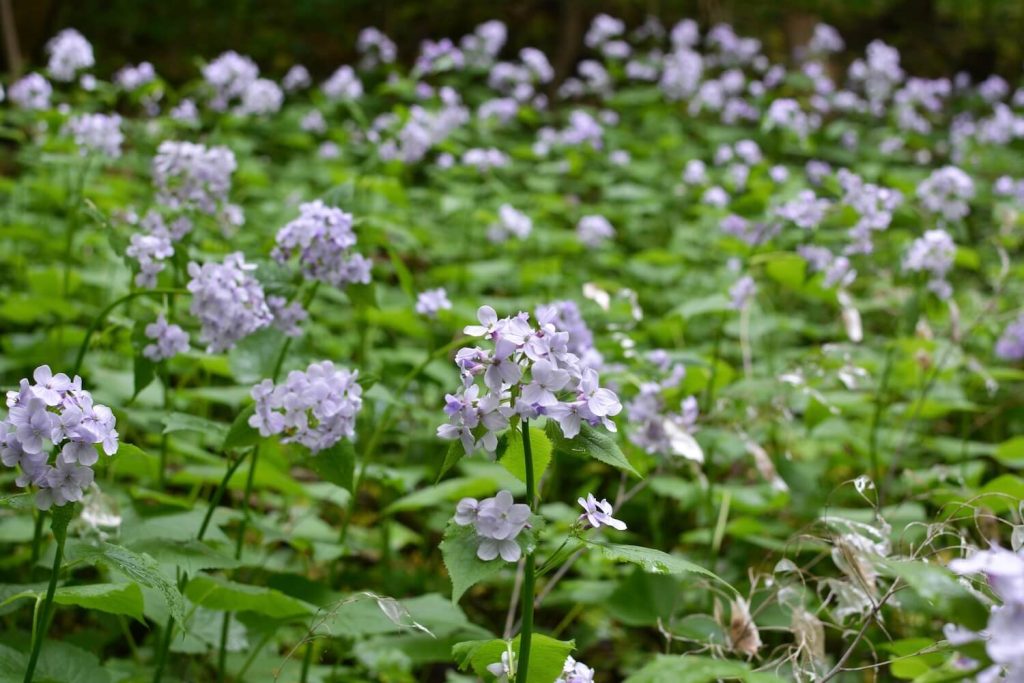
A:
[943,594]
[466,569]
[547,656]
[220,594]
[514,458]
[142,569]
[58,663]
[590,442]
[240,434]
[336,464]
[190,555]
[693,669]
[653,561]
[180,422]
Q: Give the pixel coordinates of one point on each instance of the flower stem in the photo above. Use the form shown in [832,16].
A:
[98,320]
[530,575]
[307,660]
[59,524]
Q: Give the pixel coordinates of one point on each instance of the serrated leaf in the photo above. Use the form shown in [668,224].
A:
[651,560]
[220,594]
[336,464]
[240,434]
[190,555]
[514,459]
[465,569]
[142,569]
[590,442]
[547,656]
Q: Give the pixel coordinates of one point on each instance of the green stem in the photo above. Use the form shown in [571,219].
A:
[222,657]
[44,622]
[307,660]
[876,421]
[98,320]
[219,494]
[382,425]
[37,537]
[529,577]
[165,646]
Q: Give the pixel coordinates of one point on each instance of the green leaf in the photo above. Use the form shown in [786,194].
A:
[692,669]
[514,459]
[240,434]
[942,593]
[190,555]
[180,422]
[590,442]
[651,560]
[142,569]
[458,549]
[547,656]
[337,464]
[452,456]
[113,598]
[58,663]
[144,371]
[216,593]
[1011,452]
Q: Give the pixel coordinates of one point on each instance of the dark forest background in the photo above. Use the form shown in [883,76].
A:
[935,37]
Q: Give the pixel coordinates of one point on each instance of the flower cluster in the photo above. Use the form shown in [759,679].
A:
[431,301]
[565,316]
[57,410]
[932,253]
[654,426]
[511,222]
[228,301]
[131,77]
[31,92]
[946,192]
[375,47]
[322,237]
[100,133]
[316,408]
[168,340]
[873,203]
[192,176]
[343,84]
[594,230]
[261,97]
[1004,571]
[530,373]
[69,53]
[498,521]
[804,211]
[229,75]
[1011,343]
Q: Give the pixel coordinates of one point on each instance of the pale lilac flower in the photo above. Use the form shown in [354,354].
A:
[261,97]
[431,301]
[497,522]
[511,222]
[55,410]
[313,122]
[602,29]
[343,84]
[322,237]
[594,230]
[483,45]
[99,133]
[1010,345]
[288,317]
[185,112]
[151,250]
[932,253]
[168,340]
[69,53]
[132,77]
[316,408]
[31,92]
[946,192]
[805,210]
[485,159]
[504,670]
[193,176]
[598,513]
[297,78]
[375,47]
[742,291]
[575,672]
[228,301]
[229,75]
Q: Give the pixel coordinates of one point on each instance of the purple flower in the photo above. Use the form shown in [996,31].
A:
[169,340]
[599,513]
[322,237]
[228,301]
